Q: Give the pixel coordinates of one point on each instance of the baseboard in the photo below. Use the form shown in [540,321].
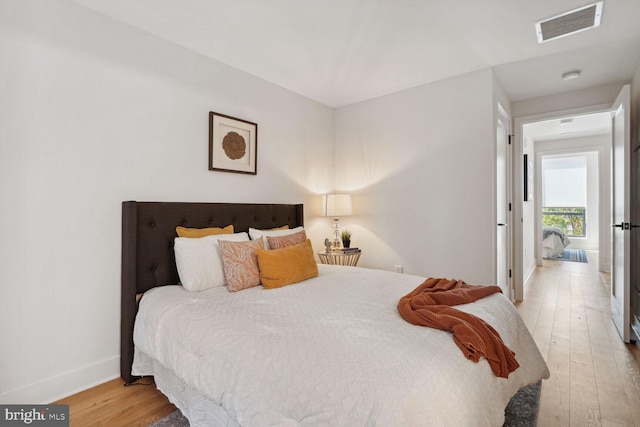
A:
[527,275]
[65,384]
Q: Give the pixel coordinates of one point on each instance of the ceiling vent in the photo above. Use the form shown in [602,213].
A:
[571,22]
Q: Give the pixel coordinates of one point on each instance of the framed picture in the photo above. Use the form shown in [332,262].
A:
[527,173]
[233,144]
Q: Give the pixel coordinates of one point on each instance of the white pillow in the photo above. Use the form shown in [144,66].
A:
[199,260]
[256,234]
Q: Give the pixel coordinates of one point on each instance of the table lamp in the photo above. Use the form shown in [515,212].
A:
[337,205]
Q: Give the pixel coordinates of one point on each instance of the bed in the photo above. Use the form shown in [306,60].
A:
[554,241]
[331,350]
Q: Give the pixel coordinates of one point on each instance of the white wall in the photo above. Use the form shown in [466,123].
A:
[420,165]
[92,113]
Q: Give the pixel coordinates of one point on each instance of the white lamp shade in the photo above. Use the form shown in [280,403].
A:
[337,205]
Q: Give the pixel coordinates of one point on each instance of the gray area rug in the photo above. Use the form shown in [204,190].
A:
[522,410]
[174,419]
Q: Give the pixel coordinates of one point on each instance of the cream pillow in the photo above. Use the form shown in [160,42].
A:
[255,234]
[240,264]
[199,261]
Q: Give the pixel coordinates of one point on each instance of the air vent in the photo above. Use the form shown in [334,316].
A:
[570,22]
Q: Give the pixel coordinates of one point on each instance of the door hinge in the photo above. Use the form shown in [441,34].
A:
[509,273]
[509,207]
[510,136]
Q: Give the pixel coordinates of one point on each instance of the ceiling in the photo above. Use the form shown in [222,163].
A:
[339,52]
[569,127]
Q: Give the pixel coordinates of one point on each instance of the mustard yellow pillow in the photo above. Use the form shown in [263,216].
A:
[201,232]
[284,227]
[281,267]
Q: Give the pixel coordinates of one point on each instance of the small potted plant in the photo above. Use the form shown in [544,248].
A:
[346,238]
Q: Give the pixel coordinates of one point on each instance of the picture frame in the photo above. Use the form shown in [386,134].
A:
[233,144]
[527,173]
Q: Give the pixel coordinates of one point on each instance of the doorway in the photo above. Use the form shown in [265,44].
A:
[570,198]
[617,225]
[560,133]
[570,140]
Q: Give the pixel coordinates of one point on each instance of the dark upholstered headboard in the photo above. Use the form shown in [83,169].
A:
[148,231]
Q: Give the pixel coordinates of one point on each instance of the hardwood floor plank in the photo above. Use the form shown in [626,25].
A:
[555,396]
[630,375]
[113,404]
[595,377]
[585,408]
[608,423]
[553,411]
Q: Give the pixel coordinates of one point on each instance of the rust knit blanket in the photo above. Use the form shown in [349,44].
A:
[429,305]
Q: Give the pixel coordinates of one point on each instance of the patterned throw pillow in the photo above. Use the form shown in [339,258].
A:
[240,263]
[279,242]
[256,234]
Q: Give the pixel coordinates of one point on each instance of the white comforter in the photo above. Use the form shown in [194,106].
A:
[330,351]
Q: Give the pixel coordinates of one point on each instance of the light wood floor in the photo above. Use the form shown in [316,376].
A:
[113,405]
[595,377]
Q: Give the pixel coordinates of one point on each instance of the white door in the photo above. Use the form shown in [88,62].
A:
[502,205]
[621,215]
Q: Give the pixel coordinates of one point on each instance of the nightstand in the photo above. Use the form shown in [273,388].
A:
[340,258]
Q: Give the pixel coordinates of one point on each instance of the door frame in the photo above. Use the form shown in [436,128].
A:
[621,312]
[504,118]
[518,279]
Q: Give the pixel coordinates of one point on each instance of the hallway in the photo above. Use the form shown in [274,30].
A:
[595,377]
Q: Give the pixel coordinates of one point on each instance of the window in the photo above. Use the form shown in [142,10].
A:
[564,188]
[569,220]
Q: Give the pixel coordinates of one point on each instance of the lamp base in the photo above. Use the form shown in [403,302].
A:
[336,234]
